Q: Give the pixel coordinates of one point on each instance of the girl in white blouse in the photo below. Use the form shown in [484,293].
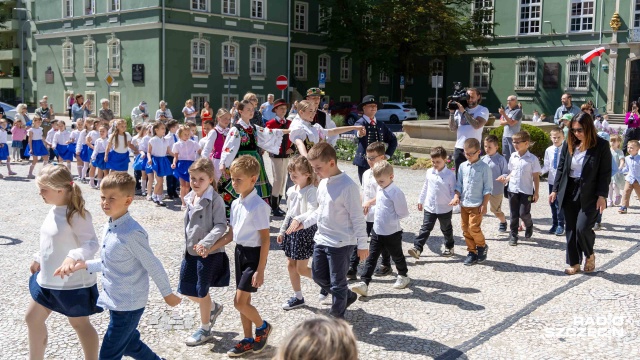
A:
[99,157]
[61,143]
[66,236]
[185,152]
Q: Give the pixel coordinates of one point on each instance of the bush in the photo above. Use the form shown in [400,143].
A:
[424,116]
[346,150]
[540,140]
[338,119]
[129,124]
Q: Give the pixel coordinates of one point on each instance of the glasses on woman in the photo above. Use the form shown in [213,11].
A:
[577,130]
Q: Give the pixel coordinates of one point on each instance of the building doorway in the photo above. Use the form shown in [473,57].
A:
[634,83]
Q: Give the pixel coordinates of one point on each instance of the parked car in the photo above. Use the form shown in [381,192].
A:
[396,112]
[9,114]
[348,110]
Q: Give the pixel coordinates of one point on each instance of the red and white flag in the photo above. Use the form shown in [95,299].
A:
[593,54]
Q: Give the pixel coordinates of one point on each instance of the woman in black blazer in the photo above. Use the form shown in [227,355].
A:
[581,187]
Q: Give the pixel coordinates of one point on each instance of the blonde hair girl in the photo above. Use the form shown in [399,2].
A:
[36,147]
[66,237]
[18,134]
[118,147]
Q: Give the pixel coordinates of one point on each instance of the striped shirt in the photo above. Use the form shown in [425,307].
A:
[126,264]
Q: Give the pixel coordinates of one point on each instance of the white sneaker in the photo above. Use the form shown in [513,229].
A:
[360,288]
[456,209]
[401,282]
[328,300]
[322,297]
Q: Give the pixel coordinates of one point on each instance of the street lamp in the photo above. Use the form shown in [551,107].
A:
[27,21]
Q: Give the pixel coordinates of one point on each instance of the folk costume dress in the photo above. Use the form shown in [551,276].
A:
[309,133]
[244,139]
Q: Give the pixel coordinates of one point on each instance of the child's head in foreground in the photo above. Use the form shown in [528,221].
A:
[320,338]
[383,173]
[116,193]
[438,157]
[324,160]
[244,171]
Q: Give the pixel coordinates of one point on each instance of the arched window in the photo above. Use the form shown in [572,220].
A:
[577,74]
[526,73]
[345,69]
[67,57]
[89,56]
[113,50]
[324,66]
[480,73]
[230,58]
[200,56]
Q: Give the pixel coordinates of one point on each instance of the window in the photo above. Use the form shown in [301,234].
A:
[300,65]
[113,49]
[383,99]
[578,74]
[530,16]
[199,56]
[480,70]
[261,99]
[324,65]
[345,98]
[636,14]
[486,6]
[114,5]
[300,18]
[67,8]
[114,102]
[91,96]
[198,100]
[89,7]
[230,58]
[582,15]
[526,73]
[258,55]
[67,57]
[258,9]
[228,100]
[384,78]
[345,69]
[408,101]
[90,57]
[199,5]
[230,7]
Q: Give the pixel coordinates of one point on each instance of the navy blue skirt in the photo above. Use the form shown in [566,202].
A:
[85,153]
[118,161]
[99,162]
[71,303]
[182,170]
[198,274]
[161,166]
[65,152]
[4,152]
[139,162]
[38,149]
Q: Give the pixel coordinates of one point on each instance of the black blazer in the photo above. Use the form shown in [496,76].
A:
[595,177]
[320,118]
[379,132]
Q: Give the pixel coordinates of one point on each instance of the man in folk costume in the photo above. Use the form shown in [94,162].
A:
[280,160]
[314,95]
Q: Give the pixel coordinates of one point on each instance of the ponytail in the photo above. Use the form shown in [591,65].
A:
[58,177]
[76,203]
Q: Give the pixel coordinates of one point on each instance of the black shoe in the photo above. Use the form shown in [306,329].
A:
[352,298]
[261,338]
[383,270]
[553,229]
[503,227]
[471,259]
[528,232]
[160,203]
[275,207]
[513,240]
[352,274]
[482,253]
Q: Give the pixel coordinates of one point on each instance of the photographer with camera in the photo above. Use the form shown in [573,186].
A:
[467,117]
[511,119]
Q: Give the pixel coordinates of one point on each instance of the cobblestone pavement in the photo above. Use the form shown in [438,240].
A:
[517,305]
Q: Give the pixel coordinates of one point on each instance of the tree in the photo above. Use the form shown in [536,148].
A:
[6,9]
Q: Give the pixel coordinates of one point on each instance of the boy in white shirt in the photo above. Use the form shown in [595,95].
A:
[391,206]
[437,191]
[524,185]
[341,227]
[551,158]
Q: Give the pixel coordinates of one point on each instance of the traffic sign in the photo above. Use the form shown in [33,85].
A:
[436,81]
[282,82]
[322,80]
[401,82]
[109,79]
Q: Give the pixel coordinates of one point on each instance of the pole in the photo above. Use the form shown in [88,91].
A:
[22,63]
[288,50]
[435,111]
[229,92]
[282,97]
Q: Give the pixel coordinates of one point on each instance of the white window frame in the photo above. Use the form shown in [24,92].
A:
[90,95]
[199,4]
[383,99]
[89,47]
[201,96]
[68,65]
[228,100]
[235,59]
[67,8]
[114,103]
[89,7]
[206,57]
[482,74]
[408,100]
[114,56]
[228,12]
[581,17]
[487,23]
[253,61]
[301,15]
[326,68]
[345,98]
[531,6]
[300,67]
[578,74]
[263,5]
[114,6]
[383,78]
[345,72]
[527,85]
[635,14]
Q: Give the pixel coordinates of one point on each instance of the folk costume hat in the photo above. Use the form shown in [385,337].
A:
[369,99]
[314,91]
[279,102]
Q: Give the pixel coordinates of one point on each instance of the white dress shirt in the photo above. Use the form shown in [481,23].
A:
[50,136]
[158,146]
[549,166]
[100,147]
[81,140]
[391,206]
[522,169]
[94,135]
[123,143]
[631,168]
[339,214]
[186,150]
[577,162]
[369,191]
[303,130]
[61,138]
[438,190]
[248,216]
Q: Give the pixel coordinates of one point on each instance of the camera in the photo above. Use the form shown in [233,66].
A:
[459,97]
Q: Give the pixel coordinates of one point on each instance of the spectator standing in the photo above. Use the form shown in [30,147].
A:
[70,101]
[189,111]
[566,108]
[80,109]
[632,120]
[511,119]
[164,113]
[139,114]
[105,113]
[266,109]
[468,123]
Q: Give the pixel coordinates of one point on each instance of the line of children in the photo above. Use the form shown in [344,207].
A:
[551,158]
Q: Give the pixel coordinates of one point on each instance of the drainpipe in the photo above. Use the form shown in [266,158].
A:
[163,52]
[288,49]
[600,57]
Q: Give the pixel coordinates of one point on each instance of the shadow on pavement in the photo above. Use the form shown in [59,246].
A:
[12,241]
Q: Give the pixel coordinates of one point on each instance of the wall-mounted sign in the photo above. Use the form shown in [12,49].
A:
[550,75]
[48,75]
[137,73]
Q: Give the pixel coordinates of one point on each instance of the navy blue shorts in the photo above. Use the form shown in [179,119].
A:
[198,274]
[246,264]
[71,303]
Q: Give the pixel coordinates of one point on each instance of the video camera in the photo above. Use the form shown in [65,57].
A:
[459,97]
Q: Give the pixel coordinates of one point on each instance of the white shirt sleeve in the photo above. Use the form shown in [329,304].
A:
[547,163]
[230,147]
[400,204]
[425,188]
[210,142]
[269,139]
[311,198]
[87,239]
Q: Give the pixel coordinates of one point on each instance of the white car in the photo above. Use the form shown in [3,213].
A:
[396,112]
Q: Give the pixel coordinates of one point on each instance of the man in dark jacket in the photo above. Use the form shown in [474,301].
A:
[375,131]
[314,95]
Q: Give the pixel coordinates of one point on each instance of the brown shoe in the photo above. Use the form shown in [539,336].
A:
[572,270]
[590,264]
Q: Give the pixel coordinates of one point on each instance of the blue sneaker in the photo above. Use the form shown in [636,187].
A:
[261,338]
[201,336]
[293,303]
[241,348]
[215,312]
[560,231]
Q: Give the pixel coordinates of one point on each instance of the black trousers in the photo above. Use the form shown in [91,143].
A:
[393,244]
[138,176]
[578,225]
[520,207]
[355,260]
[172,182]
[458,158]
[428,223]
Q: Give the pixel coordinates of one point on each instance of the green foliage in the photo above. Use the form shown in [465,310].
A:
[346,150]
[540,140]
[6,8]
[424,116]
[338,119]
[129,124]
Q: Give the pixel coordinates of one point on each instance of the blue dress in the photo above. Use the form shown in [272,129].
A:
[182,170]
[118,161]
[38,149]
[99,162]
[86,153]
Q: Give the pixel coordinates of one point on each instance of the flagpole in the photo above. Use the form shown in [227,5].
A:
[598,80]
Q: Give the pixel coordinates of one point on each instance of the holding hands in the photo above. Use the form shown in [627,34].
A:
[68,267]
[201,250]
[455,201]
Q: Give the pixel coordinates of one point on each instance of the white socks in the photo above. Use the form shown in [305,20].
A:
[84,170]
[298,295]
[206,327]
